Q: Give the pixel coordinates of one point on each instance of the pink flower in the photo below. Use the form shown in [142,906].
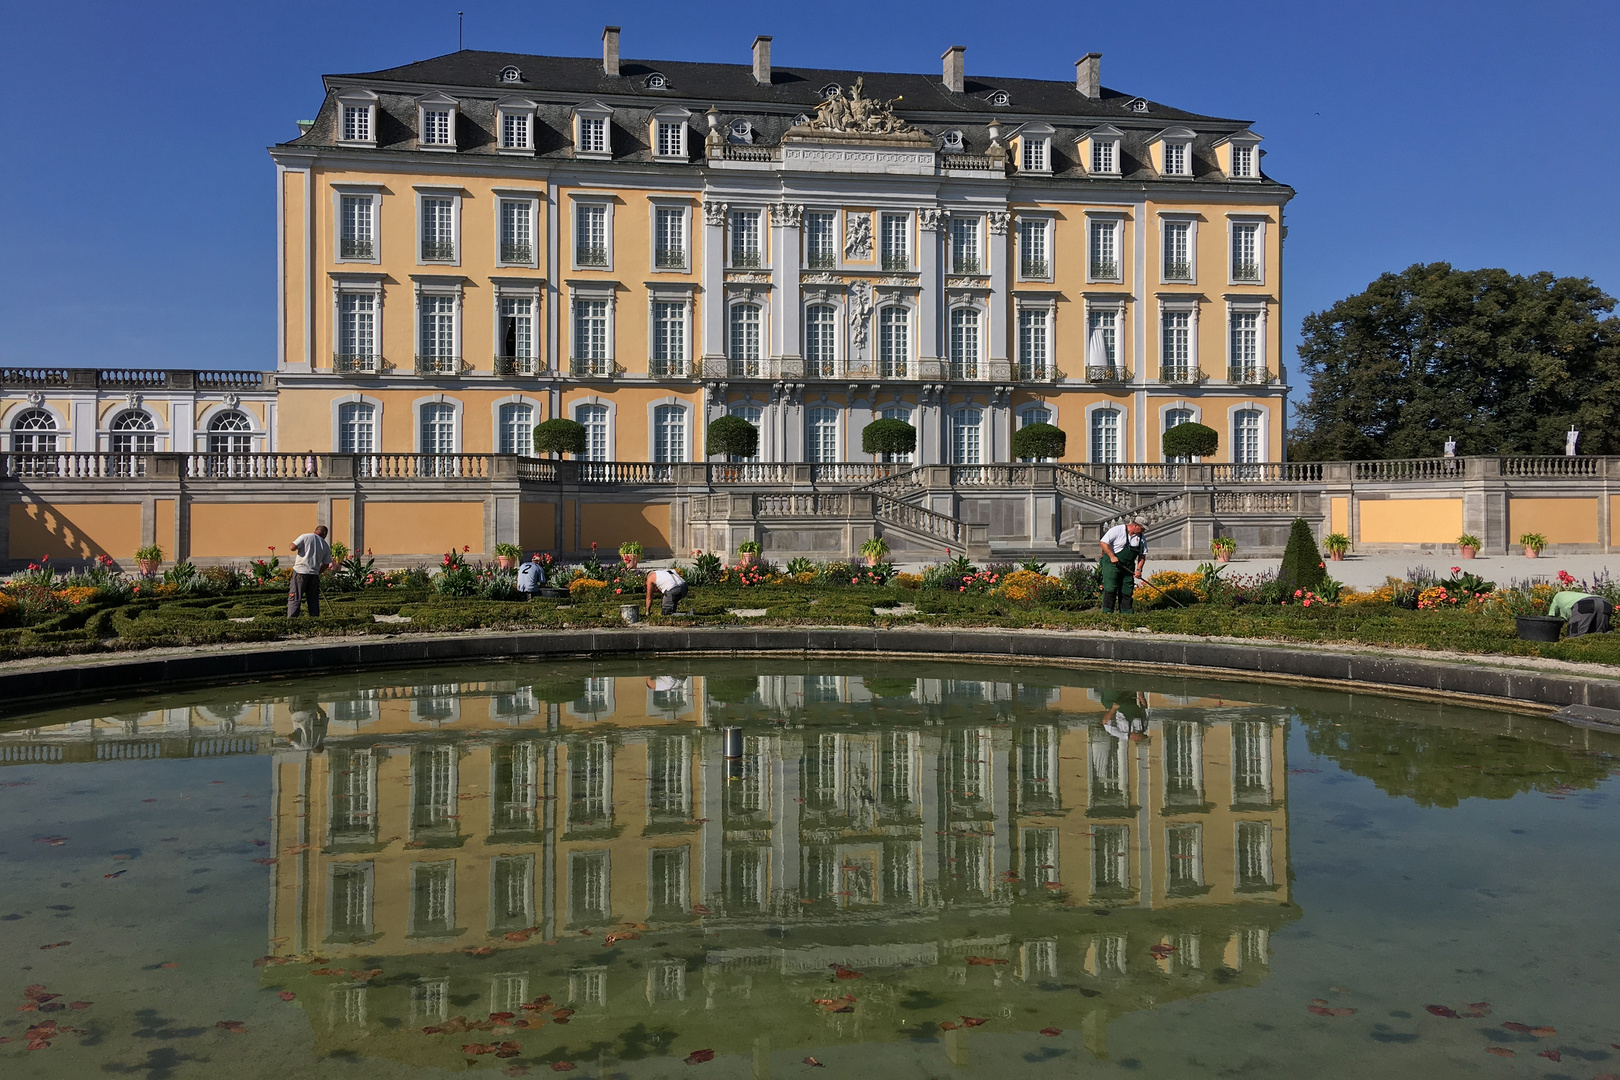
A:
[1456,569]
[1299,592]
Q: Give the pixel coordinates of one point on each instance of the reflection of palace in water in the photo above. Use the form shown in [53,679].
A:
[1085,872]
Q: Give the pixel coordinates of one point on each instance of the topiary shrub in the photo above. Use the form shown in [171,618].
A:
[559,436]
[1038,441]
[1190,440]
[732,436]
[1301,562]
[889,436]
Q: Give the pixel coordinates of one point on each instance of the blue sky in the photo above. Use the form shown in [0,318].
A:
[140,202]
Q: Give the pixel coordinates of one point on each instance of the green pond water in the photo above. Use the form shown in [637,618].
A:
[899,869]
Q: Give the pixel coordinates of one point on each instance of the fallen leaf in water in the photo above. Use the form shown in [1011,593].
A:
[508,1050]
[844,972]
[1323,1010]
[148,800]
[501,1017]
[1054,885]
[267,861]
[78,1005]
[286,995]
[701,909]
[1500,1051]
[1514,1026]
[1442,1010]
[517,1070]
[812,1062]
[1543,1032]
[175,964]
[235,1027]
[36,992]
[949,1025]
[54,841]
[1551,1055]
[560,1016]
[479,950]
[478,1048]
[28,1008]
[973,1021]
[116,873]
[984,961]
[562,1066]
[1051,1032]
[56,945]
[617,936]
[295,849]
[520,935]
[1161,951]
[698,1057]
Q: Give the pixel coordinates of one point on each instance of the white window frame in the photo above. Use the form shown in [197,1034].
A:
[837,360]
[682,364]
[762,361]
[525,289]
[1048,225]
[1263,453]
[535,200]
[835,231]
[358,99]
[1248,142]
[536,410]
[592,111]
[954,424]
[1195,412]
[1178,137]
[675,116]
[606,203]
[656,209]
[975,224]
[425,192]
[1098,305]
[1258,222]
[357,191]
[906,367]
[1189,308]
[838,432]
[607,364]
[1262,358]
[1047,308]
[686,428]
[1100,221]
[515,107]
[457,419]
[1108,136]
[440,289]
[1035,149]
[908,254]
[969,368]
[376,422]
[1123,434]
[1166,222]
[438,103]
[735,214]
[359,285]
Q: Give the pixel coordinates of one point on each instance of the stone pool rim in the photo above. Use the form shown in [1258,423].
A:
[1584,700]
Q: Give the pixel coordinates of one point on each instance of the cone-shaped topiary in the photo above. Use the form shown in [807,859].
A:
[732,436]
[889,436]
[1301,562]
[559,436]
[1036,442]
[1190,440]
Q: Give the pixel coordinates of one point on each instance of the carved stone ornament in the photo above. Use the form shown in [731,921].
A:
[964,283]
[132,399]
[819,279]
[860,312]
[788,215]
[35,398]
[232,400]
[858,237]
[998,221]
[714,213]
[855,112]
[930,218]
[717,393]
[734,277]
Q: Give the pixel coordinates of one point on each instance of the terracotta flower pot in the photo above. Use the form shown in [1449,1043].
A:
[747,558]
[871,560]
[1467,552]
[504,562]
[1531,553]
[1223,556]
[148,567]
[1336,556]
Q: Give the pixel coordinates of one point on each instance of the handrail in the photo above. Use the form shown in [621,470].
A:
[1068,478]
[1547,465]
[1409,469]
[918,519]
[256,466]
[1160,510]
[626,472]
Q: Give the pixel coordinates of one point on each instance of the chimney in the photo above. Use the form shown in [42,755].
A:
[1088,75]
[953,67]
[610,51]
[762,60]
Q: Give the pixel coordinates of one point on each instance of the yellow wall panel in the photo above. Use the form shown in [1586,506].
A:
[75,530]
[610,524]
[163,515]
[1339,516]
[339,525]
[249,530]
[1561,521]
[294,231]
[424,528]
[1410,521]
[537,527]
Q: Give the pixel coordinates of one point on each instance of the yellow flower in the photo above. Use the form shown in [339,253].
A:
[582,586]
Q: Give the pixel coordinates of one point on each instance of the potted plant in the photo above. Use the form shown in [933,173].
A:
[1337,544]
[507,556]
[1533,545]
[1222,547]
[630,552]
[874,550]
[1467,545]
[748,553]
[149,558]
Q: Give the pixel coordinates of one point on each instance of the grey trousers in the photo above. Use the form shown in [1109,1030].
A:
[1589,616]
[304,587]
[672,598]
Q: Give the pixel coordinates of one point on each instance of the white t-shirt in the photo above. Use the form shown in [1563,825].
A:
[313,553]
[665,580]
[1117,537]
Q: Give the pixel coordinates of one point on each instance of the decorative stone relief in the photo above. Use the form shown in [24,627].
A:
[855,112]
[717,393]
[35,398]
[132,399]
[788,215]
[930,218]
[860,312]
[858,237]
[819,279]
[232,400]
[965,283]
[714,213]
[998,221]
[734,277]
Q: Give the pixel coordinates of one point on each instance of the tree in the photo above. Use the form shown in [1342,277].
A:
[1504,363]
[1301,562]
[1037,442]
[889,436]
[732,436]
[1190,440]
[559,436]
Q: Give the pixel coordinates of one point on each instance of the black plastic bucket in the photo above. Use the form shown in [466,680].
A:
[1538,627]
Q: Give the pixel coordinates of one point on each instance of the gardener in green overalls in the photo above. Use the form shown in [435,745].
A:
[1124,550]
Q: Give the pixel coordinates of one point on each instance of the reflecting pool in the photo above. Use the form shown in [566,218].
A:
[746,869]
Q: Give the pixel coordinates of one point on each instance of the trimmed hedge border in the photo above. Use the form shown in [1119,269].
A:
[61,685]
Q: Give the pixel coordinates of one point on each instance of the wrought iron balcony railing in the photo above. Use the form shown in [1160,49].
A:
[357,249]
[966,264]
[1248,375]
[897,263]
[1245,271]
[595,367]
[517,253]
[1035,268]
[1182,374]
[670,259]
[745,369]
[668,369]
[1177,270]
[746,260]
[1105,269]
[821,260]
[356,363]
[1106,373]
[591,256]
[438,365]
[438,251]
[517,365]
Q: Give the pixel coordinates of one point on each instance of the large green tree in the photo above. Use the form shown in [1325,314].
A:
[1504,363]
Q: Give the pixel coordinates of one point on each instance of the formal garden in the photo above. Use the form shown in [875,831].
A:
[44,611]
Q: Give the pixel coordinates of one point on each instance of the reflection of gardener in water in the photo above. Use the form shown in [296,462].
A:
[309,724]
[1127,714]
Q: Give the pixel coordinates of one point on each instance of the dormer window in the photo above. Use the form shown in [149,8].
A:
[511,75]
[436,122]
[1105,156]
[741,131]
[357,118]
[669,133]
[1137,105]
[656,81]
[1175,159]
[591,138]
[1000,99]
[1239,156]
[830,89]
[1035,148]
[356,123]
[516,124]
[951,142]
[1100,151]
[1243,162]
[1173,152]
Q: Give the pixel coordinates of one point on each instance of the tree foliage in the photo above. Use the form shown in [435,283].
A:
[889,436]
[1505,363]
[1301,562]
[559,436]
[1190,440]
[733,436]
[1037,442]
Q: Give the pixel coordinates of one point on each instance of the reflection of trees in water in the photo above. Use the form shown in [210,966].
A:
[1440,766]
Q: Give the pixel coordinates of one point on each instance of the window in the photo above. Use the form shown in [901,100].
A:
[745,341]
[594,419]
[671,139]
[669,795]
[436,127]
[1105,428]
[230,432]
[754,415]
[357,228]
[350,901]
[820,246]
[669,890]
[1033,344]
[745,239]
[511,907]
[516,430]
[590,779]
[1184,857]
[951,142]
[1175,418]
[433,898]
[668,338]
[438,428]
[669,433]
[1243,162]
[1244,362]
[1105,251]
[1110,859]
[590,234]
[964,343]
[357,428]
[1177,159]
[593,135]
[966,428]
[965,245]
[517,231]
[1102,344]
[1253,855]
[438,230]
[1246,436]
[357,123]
[588,888]
[515,131]
[820,342]
[1034,260]
[591,337]
[903,414]
[436,347]
[34,432]
[894,341]
[1105,156]
[1178,251]
[821,435]
[517,336]
[132,433]
[1245,255]
[669,238]
[1176,358]
[357,333]
[1035,154]
[896,242]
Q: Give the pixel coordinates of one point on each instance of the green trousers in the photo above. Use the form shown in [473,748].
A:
[1118,583]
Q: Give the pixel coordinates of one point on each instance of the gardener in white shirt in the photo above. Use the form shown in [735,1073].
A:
[668,582]
[313,555]
[1124,550]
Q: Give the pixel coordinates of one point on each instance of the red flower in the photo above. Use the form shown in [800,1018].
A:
[1456,569]
[272,547]
[465,548]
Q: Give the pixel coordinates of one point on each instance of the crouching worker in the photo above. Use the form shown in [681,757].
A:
[670,584]
[1124,550]
[1583,613]
[531,576]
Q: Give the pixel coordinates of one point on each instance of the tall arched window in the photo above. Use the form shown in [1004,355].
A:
[33,433]
[1247,436]
[594,419]
[755,415]
[967,426]
[669,433]
[964,343]
[894,341]
[821,435]
[516,435]
[230,441]
[897,412]
[745,341]
[820,340]
[438,438]
[1105,429]
[132,434]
